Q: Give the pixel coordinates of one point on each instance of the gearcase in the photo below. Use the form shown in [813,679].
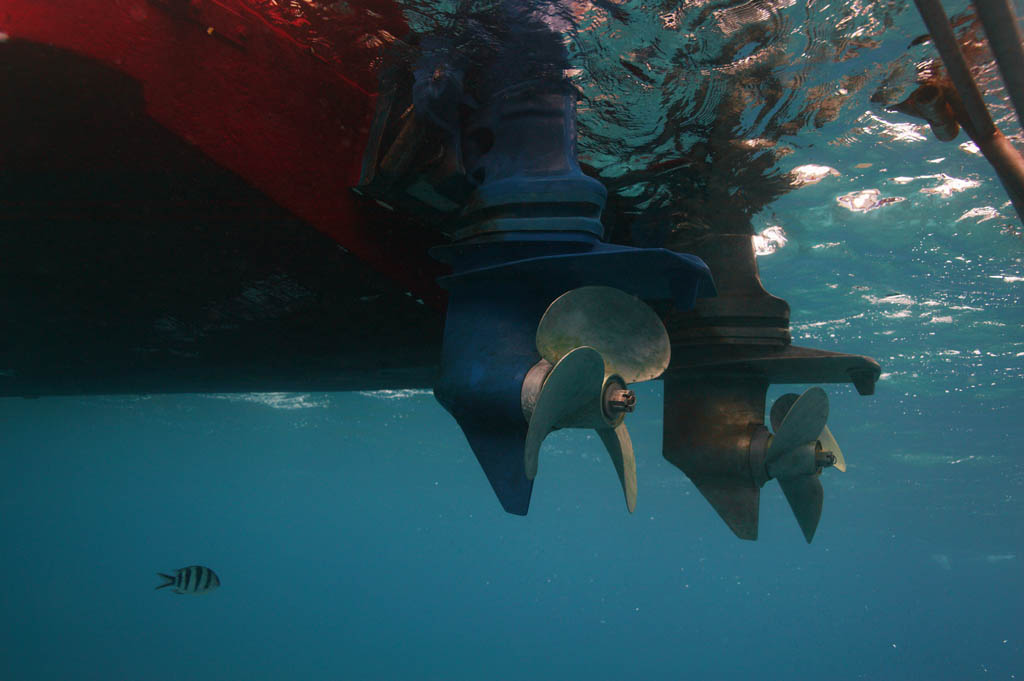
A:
[726,352]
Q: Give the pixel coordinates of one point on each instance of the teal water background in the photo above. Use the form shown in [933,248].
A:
[356,537]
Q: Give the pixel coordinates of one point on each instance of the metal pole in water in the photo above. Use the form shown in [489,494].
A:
[975,118]
[1004,37]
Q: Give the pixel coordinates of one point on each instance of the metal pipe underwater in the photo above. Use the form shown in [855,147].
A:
[937,22]
[1003,33]
[971,111]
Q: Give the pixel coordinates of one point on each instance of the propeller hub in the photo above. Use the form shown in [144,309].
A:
[532,384]
[618,400]
[824,459]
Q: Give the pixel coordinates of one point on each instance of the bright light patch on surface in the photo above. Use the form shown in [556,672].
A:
[983,212]
[274,400]
[970,148]
[947,185]
[897,299]
[769,241]
[897,132]
[394,394]
[810,174]
[950,185]
[865,200]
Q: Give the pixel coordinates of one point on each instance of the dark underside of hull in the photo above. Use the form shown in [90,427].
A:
[131,263]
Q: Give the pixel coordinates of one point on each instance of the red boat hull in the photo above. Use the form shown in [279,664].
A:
[176,213]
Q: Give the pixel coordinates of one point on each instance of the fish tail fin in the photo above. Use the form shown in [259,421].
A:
[168,580]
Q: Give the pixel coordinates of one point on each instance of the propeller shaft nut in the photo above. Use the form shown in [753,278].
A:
[620,400]
[824,459]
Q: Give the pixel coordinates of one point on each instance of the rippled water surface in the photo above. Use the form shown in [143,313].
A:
[694,109]
[356,538]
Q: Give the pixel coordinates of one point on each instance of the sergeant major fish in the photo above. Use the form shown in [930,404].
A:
[194,579]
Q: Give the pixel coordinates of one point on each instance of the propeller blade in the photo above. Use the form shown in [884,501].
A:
[574,383]
[829,444]
[794,462]
[803,423]
[620,448]
[626,332]
[805,497]
[780,408]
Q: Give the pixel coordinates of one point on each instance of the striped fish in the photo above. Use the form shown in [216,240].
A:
[194,579]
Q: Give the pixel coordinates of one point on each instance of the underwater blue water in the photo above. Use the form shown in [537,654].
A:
[356,537]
